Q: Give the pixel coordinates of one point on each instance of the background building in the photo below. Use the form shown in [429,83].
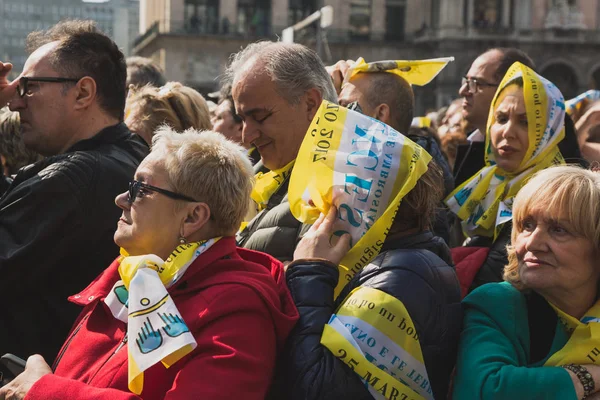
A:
[118,18]
[193,39]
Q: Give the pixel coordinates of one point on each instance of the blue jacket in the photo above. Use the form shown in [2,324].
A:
[415,270]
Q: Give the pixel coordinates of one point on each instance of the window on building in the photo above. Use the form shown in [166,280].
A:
[435,14]
[395,16]
[360,19]
[487,14]
[201,16]
[254,17]
[300,9]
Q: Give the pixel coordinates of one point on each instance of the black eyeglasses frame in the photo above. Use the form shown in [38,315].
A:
[23,85]
[135,186]
[473,84]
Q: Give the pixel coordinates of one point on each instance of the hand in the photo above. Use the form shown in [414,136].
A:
[316,243]
[338,73]
[594,370]
[7,89]
[35,368]
[587,121]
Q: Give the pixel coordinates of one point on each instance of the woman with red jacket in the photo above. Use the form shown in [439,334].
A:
[205,323]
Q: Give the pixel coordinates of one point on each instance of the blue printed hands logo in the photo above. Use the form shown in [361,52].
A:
[174,325]
[148,339]
[463,195]
[473,218]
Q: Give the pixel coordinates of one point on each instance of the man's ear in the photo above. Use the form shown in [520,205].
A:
[313,100]
[382,113]
[198,215]
[86,93]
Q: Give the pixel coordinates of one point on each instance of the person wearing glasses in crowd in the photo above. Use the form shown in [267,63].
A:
[57,217]
[174,104]
[522,137]
[477,89]
[215,315]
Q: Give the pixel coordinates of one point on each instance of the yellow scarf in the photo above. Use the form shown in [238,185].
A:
[364,168]
[360,165]
[266,184]
[583,347]
[155,328]
[372,333]
[484,202]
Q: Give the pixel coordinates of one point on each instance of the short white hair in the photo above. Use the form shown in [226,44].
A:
[207,167]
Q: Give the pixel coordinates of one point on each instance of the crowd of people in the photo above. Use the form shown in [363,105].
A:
[153,246]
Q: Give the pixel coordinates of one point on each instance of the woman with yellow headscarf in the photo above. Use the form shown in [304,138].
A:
[525,125]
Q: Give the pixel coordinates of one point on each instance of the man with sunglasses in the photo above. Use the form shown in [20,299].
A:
[477,89]
[58,217]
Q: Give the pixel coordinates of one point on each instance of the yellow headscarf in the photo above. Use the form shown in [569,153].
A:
[484,202]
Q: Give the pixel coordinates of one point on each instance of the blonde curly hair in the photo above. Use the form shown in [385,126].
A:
[566,190]
[173,104]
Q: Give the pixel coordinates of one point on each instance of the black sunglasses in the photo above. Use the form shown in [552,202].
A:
[135,186]
[23,86]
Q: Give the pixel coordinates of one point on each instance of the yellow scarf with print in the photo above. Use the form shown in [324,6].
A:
[266,184]
[156,331]
[372,333]
[484,202]
[583,347]
[365,168]
[361,166]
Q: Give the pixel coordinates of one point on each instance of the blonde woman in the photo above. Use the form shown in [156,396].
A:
[173,104]
[182,313]
[536,336]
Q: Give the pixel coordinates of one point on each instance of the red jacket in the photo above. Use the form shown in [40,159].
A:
[234,301]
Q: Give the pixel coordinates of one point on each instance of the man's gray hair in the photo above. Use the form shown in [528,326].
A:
[294,69]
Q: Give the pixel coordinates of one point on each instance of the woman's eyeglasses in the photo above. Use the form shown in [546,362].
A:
[23,86]
[136,186]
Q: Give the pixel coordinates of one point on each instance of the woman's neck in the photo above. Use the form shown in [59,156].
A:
[576,303]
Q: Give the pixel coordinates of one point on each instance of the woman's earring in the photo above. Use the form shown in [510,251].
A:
[182,240]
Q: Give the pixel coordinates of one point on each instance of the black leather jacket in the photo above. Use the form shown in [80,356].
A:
[57,222]
[415,270]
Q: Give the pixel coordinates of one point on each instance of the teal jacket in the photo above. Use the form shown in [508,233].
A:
[494,351]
